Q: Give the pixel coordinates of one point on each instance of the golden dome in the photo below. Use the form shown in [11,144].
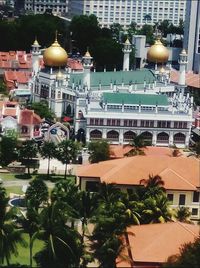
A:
[158,53]
[55,55]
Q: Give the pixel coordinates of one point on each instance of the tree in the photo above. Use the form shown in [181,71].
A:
[9,235]
[67,151]
[148,31]
[164,27]
[85,30]
[183,214]
[156,210]
[138,144]
[48,150]
[153,185]
[8,151]
[41,108]
[189,256]
[116,28]
[37,193]
[28,151]
[98,151]
[63,246]
[30,223]
[107,53]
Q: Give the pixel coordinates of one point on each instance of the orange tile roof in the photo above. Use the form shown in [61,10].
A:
[11,77]
[10,112]
[192,80]
[28,117]
[74,64]
[8,59]
[155,243]
[178,173]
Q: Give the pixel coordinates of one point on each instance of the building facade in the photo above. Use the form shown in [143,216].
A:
[58,7]
[192,35]
[126,11]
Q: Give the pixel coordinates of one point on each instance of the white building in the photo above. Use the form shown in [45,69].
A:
[126,11]
[192,35]
[121,104]
[58,7]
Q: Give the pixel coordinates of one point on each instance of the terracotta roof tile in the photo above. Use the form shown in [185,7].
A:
[28,117]
[177,172]
[154,243]
[192,80]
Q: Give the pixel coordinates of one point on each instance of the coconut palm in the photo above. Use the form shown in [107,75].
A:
[156,210]
[67,151]
[183,214]
[63,246]
[138,144]
[153,185]
[9,235]
[48,150]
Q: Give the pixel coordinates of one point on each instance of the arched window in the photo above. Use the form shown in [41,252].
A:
[179,138]
[147,137]
[113,135]
[24,129]
[163,137]
[129,136]
[95,134]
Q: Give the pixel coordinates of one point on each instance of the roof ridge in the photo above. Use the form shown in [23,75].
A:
[185,227]
[116,167]
[185,180]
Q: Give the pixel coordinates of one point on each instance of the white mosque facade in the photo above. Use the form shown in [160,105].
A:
[117,105]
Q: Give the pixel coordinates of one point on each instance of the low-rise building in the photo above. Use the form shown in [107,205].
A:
[180,175]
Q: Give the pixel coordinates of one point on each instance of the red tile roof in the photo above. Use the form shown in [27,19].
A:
[10,112]
[178,173]
[13,77]
[15,59]
[192,80]
[28,117]
[75,64]
[155,243]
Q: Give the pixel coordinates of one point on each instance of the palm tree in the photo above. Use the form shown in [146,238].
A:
[183,214]
[28,151]
[9,235]
[156,210]
[153,185]
[67,151]
[138,144]
[63,246]
[48,150]
[30,223]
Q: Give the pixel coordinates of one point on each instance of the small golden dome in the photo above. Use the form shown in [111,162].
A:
[158,53]
[162,70]
[55,55]
[127,42]
[87,54]
[183,52]
[59,75]
[36,43]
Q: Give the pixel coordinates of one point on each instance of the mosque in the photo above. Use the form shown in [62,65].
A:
[116,105]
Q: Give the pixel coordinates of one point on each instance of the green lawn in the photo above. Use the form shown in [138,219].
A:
[23,252]
[14,189]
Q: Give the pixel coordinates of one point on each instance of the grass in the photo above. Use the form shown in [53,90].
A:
[23,252]
[14,189]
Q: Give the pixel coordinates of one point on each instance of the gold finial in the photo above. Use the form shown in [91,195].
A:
[36,42]
[184,51]
[127,42]
[87,54]
[56,35]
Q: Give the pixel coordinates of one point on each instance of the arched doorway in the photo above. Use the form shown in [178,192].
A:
[179,138]
[95,135]
[81,135]
[163,138]
[113,135]
[147,137]
[129,136]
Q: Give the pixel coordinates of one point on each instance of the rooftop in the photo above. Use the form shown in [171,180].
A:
[155,243]
[128,98]
[178,173]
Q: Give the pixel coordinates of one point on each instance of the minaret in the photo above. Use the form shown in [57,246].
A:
[183,61]
[126,50]
[87,65]
[35,55]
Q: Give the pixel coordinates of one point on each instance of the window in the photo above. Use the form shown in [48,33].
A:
[170,197]
[182,199]
[195,211]
[92,186]
[196,196]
